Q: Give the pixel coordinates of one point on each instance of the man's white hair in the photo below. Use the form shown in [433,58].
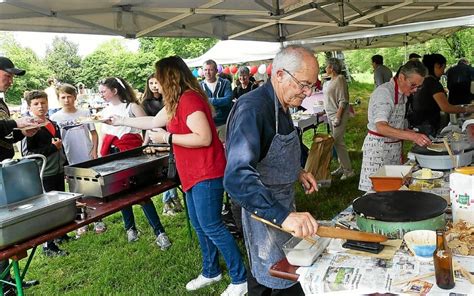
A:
[290,58]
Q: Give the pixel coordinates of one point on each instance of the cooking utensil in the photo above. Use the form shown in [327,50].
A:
[393,213]
[308,239]
[325,231]
[117,172]
[450,152]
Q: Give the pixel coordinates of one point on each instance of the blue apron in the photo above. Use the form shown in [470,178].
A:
[278,172]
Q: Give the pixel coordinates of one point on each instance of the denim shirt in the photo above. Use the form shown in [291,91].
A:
[221,99]
[250,131]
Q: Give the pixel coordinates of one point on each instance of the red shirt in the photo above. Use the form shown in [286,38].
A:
[196,164]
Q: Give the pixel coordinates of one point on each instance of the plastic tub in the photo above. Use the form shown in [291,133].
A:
[444,162]
[300,252]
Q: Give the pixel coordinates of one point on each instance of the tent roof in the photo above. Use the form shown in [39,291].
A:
[397,35]
[263,20]
[239,51]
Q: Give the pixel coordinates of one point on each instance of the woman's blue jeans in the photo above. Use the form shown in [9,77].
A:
[150,213]
[204,202]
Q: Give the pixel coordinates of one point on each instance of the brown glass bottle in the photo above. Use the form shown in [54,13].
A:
[443,262]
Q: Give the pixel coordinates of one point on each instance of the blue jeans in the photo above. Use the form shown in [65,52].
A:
[204,205]
[150,213]
[170,194]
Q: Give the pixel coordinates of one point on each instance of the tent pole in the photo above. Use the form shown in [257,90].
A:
[406,47]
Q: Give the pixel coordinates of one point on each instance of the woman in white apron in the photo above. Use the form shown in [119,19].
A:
[386,127]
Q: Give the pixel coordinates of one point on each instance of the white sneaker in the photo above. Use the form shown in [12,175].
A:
[132,235]
[163,241]
[202,281]
[235,290]
[347,175]
[337,171]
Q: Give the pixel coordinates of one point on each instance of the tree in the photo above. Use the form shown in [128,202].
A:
[458,44]
[63,60]
[183,47]
[113,59]
[24,58]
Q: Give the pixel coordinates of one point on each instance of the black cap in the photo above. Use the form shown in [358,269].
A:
[414,56]
[7,65]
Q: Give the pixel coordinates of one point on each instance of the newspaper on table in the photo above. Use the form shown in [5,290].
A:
[345,272]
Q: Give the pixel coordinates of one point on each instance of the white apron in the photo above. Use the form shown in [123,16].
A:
[379,150]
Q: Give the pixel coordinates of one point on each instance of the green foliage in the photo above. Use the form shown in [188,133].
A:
[184,47]
[63,60]
[23,58]
[113,59]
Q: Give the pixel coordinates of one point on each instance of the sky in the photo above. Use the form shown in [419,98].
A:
[87,43]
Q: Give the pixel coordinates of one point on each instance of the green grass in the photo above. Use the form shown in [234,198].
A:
[107,264]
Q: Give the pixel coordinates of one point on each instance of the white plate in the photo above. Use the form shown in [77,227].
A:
[435,175]
[30,127]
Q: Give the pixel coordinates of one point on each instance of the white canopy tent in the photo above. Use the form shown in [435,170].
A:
[237,51]
[258,20]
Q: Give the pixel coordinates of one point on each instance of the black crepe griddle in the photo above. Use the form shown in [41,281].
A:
[400,206]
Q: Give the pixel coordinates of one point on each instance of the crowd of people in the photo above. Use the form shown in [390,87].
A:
[241,141]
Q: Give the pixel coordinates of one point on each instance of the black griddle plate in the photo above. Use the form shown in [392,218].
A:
[400,206]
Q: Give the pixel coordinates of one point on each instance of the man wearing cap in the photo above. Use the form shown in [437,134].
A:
[8,135]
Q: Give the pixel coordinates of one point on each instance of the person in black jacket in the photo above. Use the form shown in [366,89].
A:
[245,84]
[460,78]
[8,135]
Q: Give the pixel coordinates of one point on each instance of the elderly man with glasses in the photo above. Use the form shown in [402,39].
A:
[263,163]
[386,126]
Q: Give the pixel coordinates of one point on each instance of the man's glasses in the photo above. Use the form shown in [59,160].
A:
[304,87]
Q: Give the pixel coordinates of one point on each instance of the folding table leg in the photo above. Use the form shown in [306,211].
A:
[188,223]
[18,279]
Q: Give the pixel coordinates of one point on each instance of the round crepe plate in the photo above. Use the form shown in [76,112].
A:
[435,175]
[400,206]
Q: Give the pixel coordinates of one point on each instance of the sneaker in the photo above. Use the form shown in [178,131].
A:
[62,239]
[177,204]
[235,290]
[28,284]
[163,241]
[81,231]
[168,209]
[202,281]
[338,171]
[53,251]
[347,175]
[132,235]
[99,227]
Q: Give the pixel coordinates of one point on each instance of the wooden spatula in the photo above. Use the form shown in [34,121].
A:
[325,231]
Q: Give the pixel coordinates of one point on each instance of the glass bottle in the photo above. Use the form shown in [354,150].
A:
[443,262]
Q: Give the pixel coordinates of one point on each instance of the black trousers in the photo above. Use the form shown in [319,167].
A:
[50,183]
[256,289]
